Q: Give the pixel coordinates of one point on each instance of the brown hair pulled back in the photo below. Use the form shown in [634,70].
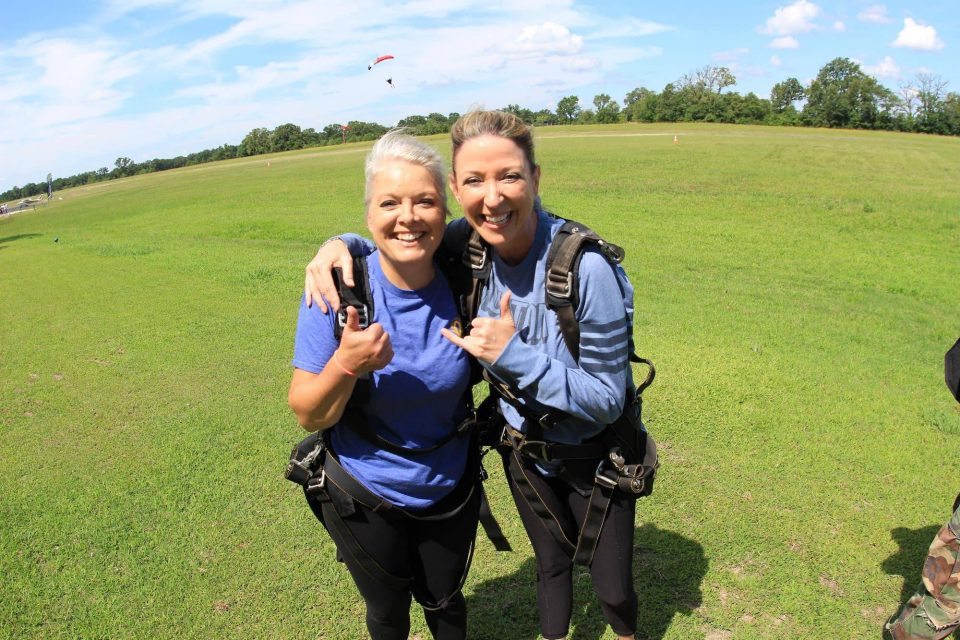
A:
[496,123]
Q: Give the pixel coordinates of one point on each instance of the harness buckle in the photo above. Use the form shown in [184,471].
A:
[536,449]
[362,311]
[317,484]
[478,259]
[559,285]
[603,479]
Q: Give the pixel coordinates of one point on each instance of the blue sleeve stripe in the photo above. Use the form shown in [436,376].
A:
[600,342]
[603,327]
[603,367]
[606,355]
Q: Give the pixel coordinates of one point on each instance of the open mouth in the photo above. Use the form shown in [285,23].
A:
[410,238]
[498,220]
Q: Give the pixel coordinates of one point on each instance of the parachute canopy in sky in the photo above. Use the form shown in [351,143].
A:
[378,61]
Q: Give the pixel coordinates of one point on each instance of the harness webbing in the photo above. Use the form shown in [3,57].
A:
[562,296]
[334,473]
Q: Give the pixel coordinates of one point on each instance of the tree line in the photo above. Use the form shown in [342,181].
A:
[841,96]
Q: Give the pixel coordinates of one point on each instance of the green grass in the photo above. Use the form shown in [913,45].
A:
[796,289]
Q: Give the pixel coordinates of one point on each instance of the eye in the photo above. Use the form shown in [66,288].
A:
[512,176]
[427,202]
[389,203]
[472,181]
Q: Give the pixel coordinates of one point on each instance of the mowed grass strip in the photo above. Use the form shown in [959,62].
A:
[795,287]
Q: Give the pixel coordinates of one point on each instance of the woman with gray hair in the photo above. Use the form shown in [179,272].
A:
[397,490]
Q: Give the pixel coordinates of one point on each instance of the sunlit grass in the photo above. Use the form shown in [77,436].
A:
[796,289]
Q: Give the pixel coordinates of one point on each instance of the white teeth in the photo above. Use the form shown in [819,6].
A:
[409,237]
[499,220]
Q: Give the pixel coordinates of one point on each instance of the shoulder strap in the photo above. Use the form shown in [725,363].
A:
[358,296]
[562,276]
[478,261]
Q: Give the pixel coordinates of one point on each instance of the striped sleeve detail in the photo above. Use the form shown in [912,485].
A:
[604,347]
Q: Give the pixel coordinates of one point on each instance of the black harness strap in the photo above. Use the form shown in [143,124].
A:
[562,296]
[328,469]
[563,262]
[536,503]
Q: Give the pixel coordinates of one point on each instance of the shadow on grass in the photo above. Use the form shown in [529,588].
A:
[908,560]
[668,570]
[20,236]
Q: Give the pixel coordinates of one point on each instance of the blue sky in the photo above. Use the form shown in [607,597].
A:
[83,83]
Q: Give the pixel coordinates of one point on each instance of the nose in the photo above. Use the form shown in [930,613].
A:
[408,212]
[491,194]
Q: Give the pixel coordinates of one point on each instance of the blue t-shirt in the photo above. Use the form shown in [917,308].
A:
[536,360]
[414,401]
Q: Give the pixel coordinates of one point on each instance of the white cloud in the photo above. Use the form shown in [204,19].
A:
[886,68]
[793,18]
[730,56]
[876,13]
[786,42]
[775,61]
[918,36]
[629,28]
[546,39]
[839,26]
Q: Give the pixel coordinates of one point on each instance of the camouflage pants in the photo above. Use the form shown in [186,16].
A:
[933,612]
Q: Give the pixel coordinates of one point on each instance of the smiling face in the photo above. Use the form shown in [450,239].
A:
[406,219]
[496,188]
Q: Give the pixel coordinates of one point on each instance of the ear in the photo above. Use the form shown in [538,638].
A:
[536,180]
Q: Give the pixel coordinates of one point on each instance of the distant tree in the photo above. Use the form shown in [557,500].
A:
[412,122]
[785,93]
[930,93]
[951,113]
[436,123]
[607,109]
[844,96]
[286,137]
[670,105]
[640,105]
[331,134]
[524,114]
[255,142]
[568,109]
[545,117]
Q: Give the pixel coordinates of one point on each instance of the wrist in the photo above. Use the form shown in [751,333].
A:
[340,365]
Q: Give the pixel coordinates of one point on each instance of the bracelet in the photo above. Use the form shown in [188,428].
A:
[329,240]
[343,368]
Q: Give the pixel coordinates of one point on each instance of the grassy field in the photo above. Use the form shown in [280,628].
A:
[796,288]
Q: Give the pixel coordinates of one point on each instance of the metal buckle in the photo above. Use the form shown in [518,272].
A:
[362,311]
[541,448]
[477,265]
[559,285]
[602,479]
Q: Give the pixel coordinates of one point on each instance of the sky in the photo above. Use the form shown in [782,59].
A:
[83,82]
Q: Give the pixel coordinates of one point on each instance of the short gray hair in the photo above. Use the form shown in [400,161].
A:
[397,144]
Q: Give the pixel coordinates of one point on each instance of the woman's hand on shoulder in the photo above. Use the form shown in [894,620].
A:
[318,283]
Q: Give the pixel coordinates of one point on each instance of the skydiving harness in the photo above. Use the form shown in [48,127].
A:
[626,453]
[314,465]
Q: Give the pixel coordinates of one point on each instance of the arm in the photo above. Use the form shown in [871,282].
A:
[318,394]
[335,252]
[593,389]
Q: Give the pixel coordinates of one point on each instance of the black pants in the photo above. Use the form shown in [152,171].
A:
[612,567]
[435,553]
